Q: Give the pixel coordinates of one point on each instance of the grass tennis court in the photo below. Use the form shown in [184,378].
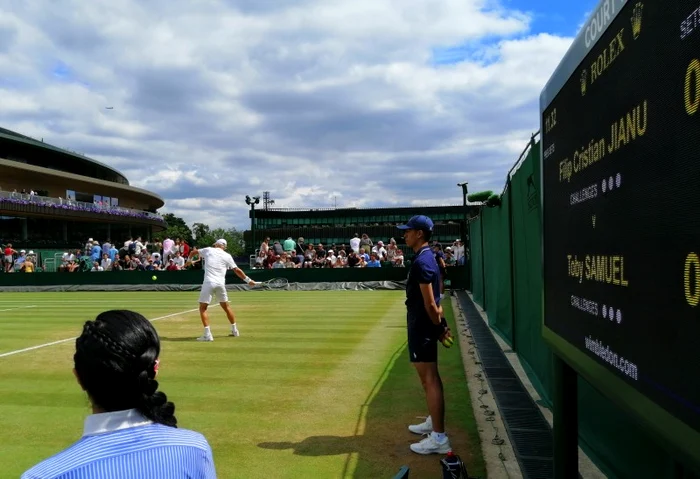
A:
[317,385]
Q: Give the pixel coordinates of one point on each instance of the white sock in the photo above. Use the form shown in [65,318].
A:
[440,437]
[207,330]
[233,327]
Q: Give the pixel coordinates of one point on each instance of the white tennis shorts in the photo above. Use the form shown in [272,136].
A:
[209,290]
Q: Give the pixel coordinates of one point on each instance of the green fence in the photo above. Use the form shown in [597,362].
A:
[458,276]
[506,266]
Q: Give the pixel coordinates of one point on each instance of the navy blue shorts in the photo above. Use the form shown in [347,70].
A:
[422,340]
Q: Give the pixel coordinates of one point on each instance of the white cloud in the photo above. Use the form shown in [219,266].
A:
[314,101]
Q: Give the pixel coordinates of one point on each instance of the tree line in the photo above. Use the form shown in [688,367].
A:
[201,235]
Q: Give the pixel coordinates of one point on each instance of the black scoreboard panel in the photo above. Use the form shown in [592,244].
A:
[621,202]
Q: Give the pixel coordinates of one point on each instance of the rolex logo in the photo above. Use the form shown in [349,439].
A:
[637,20]
[584,81]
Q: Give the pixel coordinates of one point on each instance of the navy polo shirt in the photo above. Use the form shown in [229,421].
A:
[424,269]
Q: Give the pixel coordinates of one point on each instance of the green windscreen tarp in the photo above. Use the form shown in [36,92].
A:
[527,265]
[497,258]
[477,262]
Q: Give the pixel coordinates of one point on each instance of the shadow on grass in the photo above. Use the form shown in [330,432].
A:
[367,445]
[186,339]
[319,445]
[381,448]
[193,339]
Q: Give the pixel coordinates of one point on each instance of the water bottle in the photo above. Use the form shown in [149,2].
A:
[452,467]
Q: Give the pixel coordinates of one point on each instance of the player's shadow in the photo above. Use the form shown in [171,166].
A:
[320,445]
[186,339]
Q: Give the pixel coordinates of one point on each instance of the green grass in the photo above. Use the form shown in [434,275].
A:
[317,385]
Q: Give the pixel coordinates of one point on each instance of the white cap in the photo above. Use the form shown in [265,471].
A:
[221,242]
[31,252]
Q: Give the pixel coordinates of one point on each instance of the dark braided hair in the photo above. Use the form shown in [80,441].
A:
[115,360]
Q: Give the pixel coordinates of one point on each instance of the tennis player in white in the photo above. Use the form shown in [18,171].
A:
[216,263]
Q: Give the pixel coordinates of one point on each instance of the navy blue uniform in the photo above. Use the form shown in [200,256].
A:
[438,256]
[422,332]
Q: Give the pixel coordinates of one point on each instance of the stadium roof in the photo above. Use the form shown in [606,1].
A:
[9,134]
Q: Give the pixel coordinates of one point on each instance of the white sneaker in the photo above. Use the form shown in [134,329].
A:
[205,337]
[430,446]
[422,428]
[234,332]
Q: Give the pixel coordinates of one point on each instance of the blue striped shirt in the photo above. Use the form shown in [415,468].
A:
[126,445]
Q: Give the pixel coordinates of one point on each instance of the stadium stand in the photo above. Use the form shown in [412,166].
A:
[53,200]
[321,238]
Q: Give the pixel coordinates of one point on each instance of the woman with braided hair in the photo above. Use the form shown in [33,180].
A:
[132,432]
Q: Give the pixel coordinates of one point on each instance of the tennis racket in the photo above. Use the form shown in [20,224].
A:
[275,283]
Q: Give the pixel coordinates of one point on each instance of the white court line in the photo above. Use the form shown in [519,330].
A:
[20,307]
[97,301]
[32,348]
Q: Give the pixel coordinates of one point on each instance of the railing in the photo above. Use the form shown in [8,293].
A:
[31,138]
[67,204]
[363,208]
[307,209]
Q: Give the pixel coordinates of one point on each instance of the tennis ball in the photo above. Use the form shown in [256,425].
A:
[154,277]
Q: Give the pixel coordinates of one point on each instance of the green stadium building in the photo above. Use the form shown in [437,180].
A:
[330,226]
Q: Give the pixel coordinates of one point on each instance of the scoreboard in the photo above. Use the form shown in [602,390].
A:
[620,126]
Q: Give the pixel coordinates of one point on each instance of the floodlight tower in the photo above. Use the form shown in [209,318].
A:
[252,202]
[267,202]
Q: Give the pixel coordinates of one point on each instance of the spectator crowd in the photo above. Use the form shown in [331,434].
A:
[31,197]
[133,255]
[361,252]
[175,255]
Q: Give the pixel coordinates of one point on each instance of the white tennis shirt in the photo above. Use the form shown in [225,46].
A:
[216,263]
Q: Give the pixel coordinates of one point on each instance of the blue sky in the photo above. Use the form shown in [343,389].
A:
[61,71]
[562,18]
[555,17]
[363,103]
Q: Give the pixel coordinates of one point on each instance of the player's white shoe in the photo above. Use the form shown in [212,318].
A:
[234,332]
[206,337]
[422,428]
[430,446]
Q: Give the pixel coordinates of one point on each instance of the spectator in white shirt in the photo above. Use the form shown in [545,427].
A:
[106,262]
[355,243]
[331,259]
[379,251]
[458,251]
[179,260]
[139,245]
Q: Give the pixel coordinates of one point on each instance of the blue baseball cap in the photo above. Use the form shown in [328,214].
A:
[418,222]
